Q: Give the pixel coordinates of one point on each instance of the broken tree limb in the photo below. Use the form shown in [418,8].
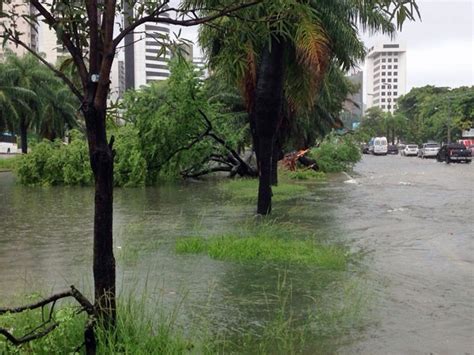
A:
[47,326]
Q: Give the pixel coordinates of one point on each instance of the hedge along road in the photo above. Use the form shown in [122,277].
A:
[415,220]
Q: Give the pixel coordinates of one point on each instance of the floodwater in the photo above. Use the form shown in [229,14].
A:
[408,220]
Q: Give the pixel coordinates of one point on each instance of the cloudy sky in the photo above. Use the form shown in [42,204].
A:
[440,47]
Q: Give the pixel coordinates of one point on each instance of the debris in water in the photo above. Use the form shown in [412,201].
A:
[400,209]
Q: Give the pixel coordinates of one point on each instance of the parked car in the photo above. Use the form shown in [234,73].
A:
[392,149]
[428,150]
[454,152]
[410,150]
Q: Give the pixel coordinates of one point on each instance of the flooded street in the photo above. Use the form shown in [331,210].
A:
[414,218]
[410,220]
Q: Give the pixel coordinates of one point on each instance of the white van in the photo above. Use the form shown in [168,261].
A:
[380,146]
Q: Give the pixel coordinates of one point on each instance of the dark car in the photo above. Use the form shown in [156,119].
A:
[392,149]
[365,149]
[454,152]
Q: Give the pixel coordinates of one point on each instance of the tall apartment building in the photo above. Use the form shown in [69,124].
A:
[29,32]
[145,59]
[201,64]
[386,75]
[49,45]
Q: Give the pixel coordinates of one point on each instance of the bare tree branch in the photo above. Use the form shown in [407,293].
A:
[155,17]
[66,40]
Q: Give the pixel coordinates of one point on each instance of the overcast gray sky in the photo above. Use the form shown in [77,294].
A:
[440,47]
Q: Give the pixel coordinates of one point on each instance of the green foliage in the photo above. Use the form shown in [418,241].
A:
[76,165]
[9,163]
[430,112]
[169,118]
[336,153]
[56,163]
[245,190]
[43,165]
[31,94]
[64,339]
[130,166]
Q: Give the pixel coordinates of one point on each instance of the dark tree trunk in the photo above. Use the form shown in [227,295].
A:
[277,155]
[102,161]
[267,111]
[24,136]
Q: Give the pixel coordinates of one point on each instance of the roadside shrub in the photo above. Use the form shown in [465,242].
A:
[56,163]
[336,154]
[42,166]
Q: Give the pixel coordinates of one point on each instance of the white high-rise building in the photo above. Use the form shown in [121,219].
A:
[29,32]
[49,46]
[145,60]
[386,75]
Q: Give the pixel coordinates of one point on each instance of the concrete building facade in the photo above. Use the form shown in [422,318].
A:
[145,58]
[386,75]
[29,32]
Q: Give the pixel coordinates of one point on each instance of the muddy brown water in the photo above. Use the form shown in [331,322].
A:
[409,220]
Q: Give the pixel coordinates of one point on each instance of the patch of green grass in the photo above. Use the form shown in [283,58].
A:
[9,164]
[246,190]
[266,249]
[191,245]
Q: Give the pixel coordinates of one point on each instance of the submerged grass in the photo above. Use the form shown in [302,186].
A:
[144,327]
[266,249]
[246,190]
[305,174]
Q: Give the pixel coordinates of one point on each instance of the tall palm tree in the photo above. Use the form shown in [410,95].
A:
[284,54]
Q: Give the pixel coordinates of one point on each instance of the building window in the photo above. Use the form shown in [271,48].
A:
[395,93]
[383,60]
[389,80]
[383,100]
[383,106]
[394,100]
[383,66]
[389,60]
[395,80]
[383,73]
[395,60]
[395,86]
[395,67]
[389,107]
[383,80]
[389,67]
[383,93]
[383,86]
